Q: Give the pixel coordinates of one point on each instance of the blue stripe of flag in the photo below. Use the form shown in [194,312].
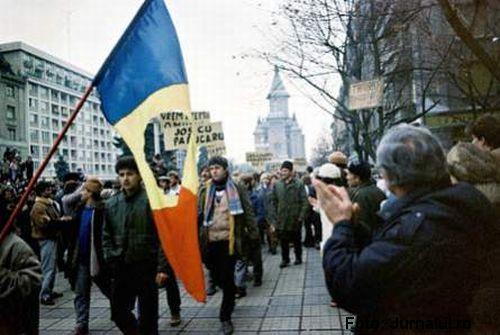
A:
[147,58]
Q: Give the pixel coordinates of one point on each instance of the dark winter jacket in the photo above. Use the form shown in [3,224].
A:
[129,233]
[427,261]
[20,280]
[288,205]
[368,196]
[96,259]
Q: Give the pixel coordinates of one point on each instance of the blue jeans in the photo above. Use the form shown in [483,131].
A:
[82,295]
[240,273]
[48,258]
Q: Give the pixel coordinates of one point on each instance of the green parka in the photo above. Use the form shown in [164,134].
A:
[288,205]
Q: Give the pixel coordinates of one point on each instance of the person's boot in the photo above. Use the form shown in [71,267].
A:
[47,301]
[240,292]
[56,295]
[81,330]
[257,282]
[212,289]
[227,327]
[130,331]
[175,320]
[284,264]
[297,262]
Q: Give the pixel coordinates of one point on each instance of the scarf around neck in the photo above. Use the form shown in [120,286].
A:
[233,198]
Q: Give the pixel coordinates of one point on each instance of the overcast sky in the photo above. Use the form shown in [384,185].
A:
[214,34]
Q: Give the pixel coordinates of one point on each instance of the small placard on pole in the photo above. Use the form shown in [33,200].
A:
[366,94]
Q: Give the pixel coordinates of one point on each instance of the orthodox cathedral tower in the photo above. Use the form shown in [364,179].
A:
[279,133]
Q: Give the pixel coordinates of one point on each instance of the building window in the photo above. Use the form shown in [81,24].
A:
[33,120]
[9,91]
[32,103]
[12,133]
[34,135]
[45,137]
[35,151]
[44,107]
[55,124]
[11,112]
[55,95]
[33,90]
[45,151]
[45,122]
[44,92]
[55,109]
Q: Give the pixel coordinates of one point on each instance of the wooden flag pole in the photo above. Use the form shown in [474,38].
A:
[42,166]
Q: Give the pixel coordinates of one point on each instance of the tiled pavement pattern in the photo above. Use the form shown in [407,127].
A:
[293,300]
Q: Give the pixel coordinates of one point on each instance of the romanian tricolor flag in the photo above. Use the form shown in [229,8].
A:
[143,77]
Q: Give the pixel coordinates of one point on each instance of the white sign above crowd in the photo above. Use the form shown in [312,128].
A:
[178,128]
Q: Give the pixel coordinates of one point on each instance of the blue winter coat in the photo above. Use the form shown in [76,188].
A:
[429,260]
[257,198]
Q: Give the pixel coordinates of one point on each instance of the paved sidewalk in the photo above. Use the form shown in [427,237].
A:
[293,300]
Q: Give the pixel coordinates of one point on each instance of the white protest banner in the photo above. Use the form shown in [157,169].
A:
[177,130]
[366,94]
[216,150]
[258,159]
[300,164]
[273,166]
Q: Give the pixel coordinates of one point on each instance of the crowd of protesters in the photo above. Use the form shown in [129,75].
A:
[420,243]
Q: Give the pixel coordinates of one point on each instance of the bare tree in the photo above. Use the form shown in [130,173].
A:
[321,150]
[466,35]
[328,41]
[324,43]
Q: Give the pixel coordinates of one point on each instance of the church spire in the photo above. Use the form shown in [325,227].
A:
[277,87]
[278,97]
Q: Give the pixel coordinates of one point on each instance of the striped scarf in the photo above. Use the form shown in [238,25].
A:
[233,198]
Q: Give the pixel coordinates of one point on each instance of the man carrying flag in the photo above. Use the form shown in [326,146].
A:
[141,79]
[130,246]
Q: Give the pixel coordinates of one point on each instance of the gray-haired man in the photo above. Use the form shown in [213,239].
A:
[429,259]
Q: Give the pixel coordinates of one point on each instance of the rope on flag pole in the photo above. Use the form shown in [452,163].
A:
[42,166]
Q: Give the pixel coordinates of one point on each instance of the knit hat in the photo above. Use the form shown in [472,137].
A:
[338,158]
[218,160]
[361,169]
[330,171]
[93,185]
[287,165]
